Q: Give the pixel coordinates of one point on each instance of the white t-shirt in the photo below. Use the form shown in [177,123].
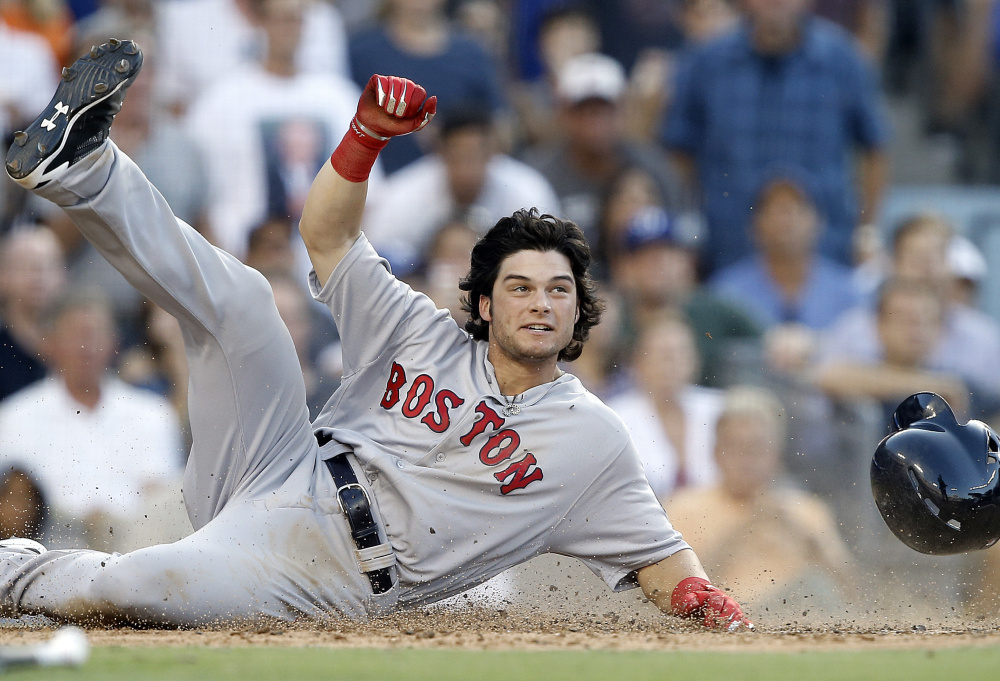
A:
[91,460]
[701,407]
[226,41]
[255,128]
[414,202]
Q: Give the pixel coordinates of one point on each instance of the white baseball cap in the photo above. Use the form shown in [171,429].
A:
[591,76]
[965,260]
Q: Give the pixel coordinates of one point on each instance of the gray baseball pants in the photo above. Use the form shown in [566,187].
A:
[270,539]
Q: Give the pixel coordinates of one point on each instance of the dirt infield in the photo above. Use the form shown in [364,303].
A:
[482,630]
[553,604]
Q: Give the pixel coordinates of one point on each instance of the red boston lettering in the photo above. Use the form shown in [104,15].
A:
[519,475]
[488,417]
[397,379]
[506,441]
[419,396]
[439,420]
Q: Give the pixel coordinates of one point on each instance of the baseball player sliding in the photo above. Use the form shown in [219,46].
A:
[446,457]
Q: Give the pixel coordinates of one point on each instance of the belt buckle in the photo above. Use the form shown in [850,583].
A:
[351,485]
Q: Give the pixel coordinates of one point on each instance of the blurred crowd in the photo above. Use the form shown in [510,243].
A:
[727,159]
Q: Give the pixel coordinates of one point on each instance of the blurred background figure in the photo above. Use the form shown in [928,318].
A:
[444,262]
[32,276]
[415,39]
[52,20]
[908,325]
[28,74]
[786,88]
[230,35]
[564,31]
[603,364]
[466,178]
[672,420]
[967,342]
[256,126]
[657,273]
[100,451]
[867,20]
[582,162]
[790,289]
[318,353]
[968,270]
[632,189]
[157,361]
[769,542]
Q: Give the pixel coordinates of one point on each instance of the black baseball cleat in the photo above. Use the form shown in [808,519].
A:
[78,118]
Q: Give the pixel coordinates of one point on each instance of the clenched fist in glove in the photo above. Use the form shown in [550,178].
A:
[696,597]
[389,106]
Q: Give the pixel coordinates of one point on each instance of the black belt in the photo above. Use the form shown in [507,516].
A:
[355,505]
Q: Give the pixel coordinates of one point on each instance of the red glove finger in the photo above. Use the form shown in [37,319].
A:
[389,106]
[721,610]
[696,596]
[392,106]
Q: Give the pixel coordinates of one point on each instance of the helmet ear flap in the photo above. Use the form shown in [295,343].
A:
[920,407]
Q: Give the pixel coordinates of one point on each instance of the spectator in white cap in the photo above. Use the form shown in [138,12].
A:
[968,269]
[969,342]
[593,148]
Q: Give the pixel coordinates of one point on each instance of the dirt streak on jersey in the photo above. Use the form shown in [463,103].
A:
[463,490]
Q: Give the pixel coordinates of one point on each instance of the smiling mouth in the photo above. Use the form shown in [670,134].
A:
[538,327]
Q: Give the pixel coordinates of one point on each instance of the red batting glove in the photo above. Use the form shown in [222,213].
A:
[696,597]
[389,106]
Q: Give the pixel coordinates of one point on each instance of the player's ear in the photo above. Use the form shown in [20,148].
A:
[576,317]
[484,308]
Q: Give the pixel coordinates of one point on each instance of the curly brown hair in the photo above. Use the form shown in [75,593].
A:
[526,230]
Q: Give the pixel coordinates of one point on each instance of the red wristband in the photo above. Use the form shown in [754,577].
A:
[355,155]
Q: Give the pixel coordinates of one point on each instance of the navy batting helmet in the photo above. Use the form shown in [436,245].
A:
[935,481]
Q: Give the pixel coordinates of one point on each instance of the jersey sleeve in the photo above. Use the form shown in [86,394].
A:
[373,310]
[617,526]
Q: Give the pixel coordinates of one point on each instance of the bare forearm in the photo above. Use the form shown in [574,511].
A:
[885,382]
[873,174]
[331,219]
[659,579]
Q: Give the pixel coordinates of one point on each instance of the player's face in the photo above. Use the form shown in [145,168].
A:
[533,307]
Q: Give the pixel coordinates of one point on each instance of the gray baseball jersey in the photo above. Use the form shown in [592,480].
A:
[461,487]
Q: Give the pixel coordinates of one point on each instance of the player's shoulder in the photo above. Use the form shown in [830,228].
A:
[591,410]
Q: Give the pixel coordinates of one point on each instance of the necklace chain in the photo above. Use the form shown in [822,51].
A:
[510,409]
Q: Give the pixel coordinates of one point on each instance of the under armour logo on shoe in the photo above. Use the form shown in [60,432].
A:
[50,123]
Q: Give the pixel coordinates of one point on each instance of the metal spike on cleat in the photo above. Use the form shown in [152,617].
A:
[20,137]
[131,48]
[114,44]
[100,88]
[122,66]
[68,74]
[14,166]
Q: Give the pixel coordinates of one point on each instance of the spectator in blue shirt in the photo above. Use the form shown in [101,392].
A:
[788,88]
[785,281]
[416,41]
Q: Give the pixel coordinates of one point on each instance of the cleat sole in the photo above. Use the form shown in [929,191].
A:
[71,126]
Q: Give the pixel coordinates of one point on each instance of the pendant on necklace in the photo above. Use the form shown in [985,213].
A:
[511,409]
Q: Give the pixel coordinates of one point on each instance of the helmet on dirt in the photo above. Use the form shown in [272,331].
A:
[936,482]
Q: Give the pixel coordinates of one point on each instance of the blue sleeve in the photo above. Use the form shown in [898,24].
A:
[684,126]
[869,125]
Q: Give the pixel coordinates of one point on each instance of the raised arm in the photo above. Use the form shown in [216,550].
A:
[678,585]
[331,218]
